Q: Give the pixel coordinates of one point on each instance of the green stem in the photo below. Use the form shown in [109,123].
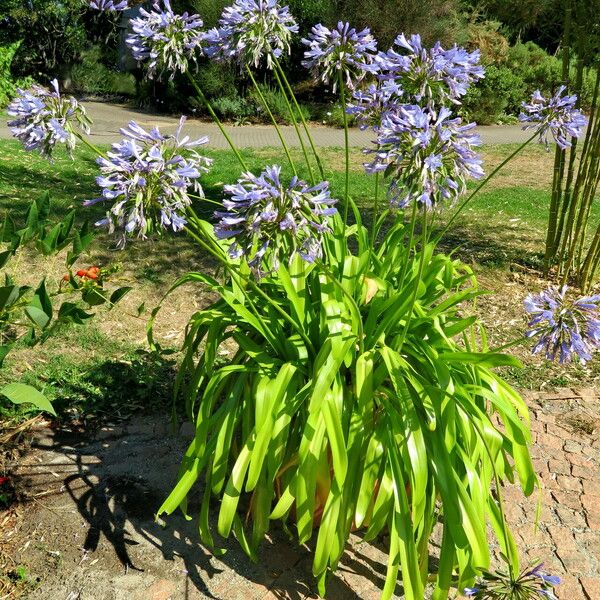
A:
[418,281]
[295,124]
[411,234]
[301,114]
[346,170]
[91,146]
[516,342]
[484,183]
[209,245]
[375,209]
[216,119]
[271,116]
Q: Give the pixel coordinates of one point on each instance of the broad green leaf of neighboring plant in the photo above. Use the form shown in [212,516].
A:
[19,393]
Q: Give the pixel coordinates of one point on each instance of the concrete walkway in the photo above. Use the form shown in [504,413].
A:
[108,118]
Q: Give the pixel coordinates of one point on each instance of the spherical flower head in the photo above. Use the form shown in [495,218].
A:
[109,5]
[269,221]
[166,41]
[251,31]
[370,106]
[430,74]
[556,115]
[341,50]
[428,155]
[44,118]
[563,327]
[148,177]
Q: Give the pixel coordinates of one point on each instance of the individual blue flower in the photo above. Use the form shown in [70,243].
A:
[471,591]
[268,221]
[341,50]
[251,31]
[109,5]
[563,327]
[44,119]
[539,572]
[427,154]
[556,115]
[147,177]
[165,40]
[430,74]
[371,105]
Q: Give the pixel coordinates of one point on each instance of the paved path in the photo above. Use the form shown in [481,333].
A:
[108,118]
[92,503]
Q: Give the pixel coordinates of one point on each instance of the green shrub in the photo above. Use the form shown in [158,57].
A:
[217,80]
[277,104]
[8,84]
[94,77]
[502,91]
[233,107]
[542,71]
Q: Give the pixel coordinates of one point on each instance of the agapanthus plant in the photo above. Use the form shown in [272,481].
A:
[564,327]
[148,177]
[531,584]
[359,396]
[430,74]
[269,221]
[557,115]
[166,41]
[45,119]
[428,155]
[251,31]
[109,5]
[341,52]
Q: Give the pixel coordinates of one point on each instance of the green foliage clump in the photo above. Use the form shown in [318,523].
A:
[276,102]
[8,84]
[217,80]
[92,76]
[502,91]
[233,108]
[53,34]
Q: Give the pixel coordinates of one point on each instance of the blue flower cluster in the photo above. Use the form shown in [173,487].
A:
[109,5]
[269,220]
[166,40]
[430,74]
[556,115]
[427,154]
[44,119]
[564,328]
[341,50]
[147,176]
[534,583]
[250,31]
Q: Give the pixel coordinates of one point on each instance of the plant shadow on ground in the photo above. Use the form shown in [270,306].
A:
[117,481]
[89,393]
[494,246]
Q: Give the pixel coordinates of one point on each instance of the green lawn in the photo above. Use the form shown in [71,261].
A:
[25,175]
[102,368]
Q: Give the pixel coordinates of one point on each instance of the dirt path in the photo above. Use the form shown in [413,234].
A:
[86,525]
[108,118]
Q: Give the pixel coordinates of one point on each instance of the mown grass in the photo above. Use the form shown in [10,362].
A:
[103,368]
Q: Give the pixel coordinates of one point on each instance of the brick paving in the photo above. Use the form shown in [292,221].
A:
[109,477]
[566,455]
